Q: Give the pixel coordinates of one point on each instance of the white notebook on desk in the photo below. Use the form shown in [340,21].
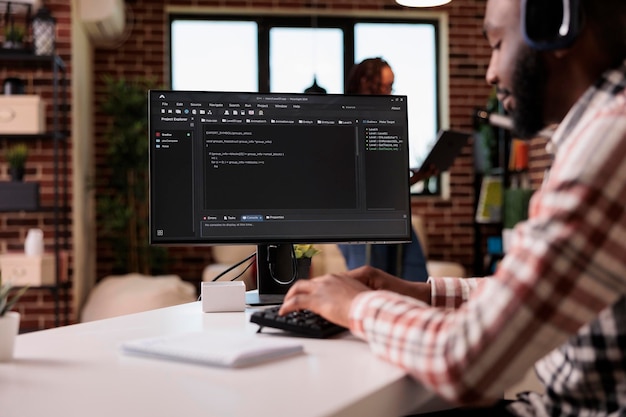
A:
[233,350]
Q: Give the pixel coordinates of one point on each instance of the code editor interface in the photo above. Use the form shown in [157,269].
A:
[255,168]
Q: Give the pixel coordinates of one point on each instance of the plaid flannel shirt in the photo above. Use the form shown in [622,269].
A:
[557,299]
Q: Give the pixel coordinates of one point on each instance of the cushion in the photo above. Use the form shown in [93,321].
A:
[133,293]
[231,254]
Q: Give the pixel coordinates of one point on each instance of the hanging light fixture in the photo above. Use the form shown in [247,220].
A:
[44,32]
[315,88]
[422,3]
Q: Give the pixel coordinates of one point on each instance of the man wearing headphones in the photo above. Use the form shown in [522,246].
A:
[558,298]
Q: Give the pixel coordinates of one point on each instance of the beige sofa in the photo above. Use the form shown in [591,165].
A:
[328,260]
[132,293]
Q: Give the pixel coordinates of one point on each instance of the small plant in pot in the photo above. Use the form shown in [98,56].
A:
[7,298]
[9,320]
[16,157]
[304,253]
[14,37]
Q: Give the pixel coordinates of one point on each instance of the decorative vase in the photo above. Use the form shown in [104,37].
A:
[9,326]
[304,268]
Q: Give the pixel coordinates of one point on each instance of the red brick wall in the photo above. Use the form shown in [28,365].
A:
[449,223]
[37,306]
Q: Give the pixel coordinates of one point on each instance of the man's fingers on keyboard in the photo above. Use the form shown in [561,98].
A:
[293,303]
[302,286]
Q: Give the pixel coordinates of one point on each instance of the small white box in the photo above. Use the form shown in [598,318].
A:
[22,114]
[20,270]
[223,296]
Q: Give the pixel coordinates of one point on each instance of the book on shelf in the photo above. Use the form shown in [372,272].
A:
[489,209]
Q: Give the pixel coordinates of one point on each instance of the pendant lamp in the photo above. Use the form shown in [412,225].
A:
[422,3]
[315,88]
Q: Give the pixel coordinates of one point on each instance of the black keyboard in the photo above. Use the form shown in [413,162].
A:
[302,323]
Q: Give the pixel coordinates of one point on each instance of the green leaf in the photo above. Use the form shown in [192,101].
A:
[305,250]
[7,302]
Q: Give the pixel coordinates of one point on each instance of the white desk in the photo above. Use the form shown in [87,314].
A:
[78,370]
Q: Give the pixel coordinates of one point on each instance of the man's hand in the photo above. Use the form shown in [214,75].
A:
[331,295]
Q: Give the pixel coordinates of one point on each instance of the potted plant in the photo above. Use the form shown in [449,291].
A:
[304,253]
[9,320]
[123,204]
[14,36]
[16,157]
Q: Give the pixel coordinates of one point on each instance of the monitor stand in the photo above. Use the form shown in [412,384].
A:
[253,298]
[276,272]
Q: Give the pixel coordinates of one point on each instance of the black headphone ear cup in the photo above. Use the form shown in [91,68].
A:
[550,24]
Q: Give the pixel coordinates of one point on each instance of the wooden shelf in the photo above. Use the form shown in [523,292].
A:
[25,196]
[28,57]
[47,136]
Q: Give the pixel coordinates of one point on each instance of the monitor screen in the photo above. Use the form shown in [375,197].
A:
[274,169]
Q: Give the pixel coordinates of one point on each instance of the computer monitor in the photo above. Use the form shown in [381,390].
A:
[275,169]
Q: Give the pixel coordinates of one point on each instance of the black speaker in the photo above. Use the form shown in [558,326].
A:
[551,24]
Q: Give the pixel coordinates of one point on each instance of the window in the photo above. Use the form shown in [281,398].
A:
[415,74]
[201,60]
[300,56]
[277,53]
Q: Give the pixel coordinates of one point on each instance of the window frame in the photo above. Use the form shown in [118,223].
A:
[344,20]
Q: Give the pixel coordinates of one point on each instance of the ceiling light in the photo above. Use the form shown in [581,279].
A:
[422,3]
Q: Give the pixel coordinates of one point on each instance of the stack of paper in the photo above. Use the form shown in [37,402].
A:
[215,349]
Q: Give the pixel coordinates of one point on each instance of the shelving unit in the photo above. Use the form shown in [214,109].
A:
[58,134]
[482,231]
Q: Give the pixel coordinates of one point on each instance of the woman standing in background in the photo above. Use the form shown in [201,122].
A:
[374,76]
